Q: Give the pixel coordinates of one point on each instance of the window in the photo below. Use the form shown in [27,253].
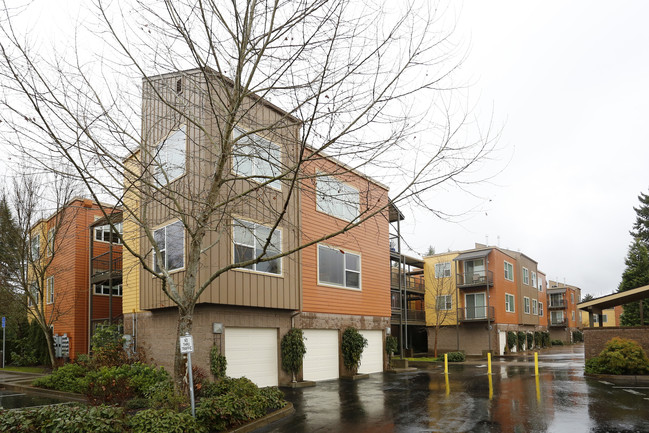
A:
[169,158]
[535,307]
[50,290]
[442,270]
[556,318]
[604,319]
[476,306]
[338,267]
[509,303]
[35,247]
[336,198]
[540,284]
[534,279]
[526,301]
[249,240]
[509,271]
[573,316]
[104,234]
[171,243]
[34,295]
[572,297]
[104,289]
[445,302]
[50,242]
[256,158]
[526,276]
[540,308]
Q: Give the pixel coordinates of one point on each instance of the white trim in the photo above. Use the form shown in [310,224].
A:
[334,285]
[321,175]
[512,271]
[485,304]
[157,166]
[153,256]
[245,138]
[526,305]
[49,293]
[255,271]
[512,305]
[526,276]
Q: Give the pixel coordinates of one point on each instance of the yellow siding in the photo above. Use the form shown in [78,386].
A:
[437,287]
[130,264]
[610,319]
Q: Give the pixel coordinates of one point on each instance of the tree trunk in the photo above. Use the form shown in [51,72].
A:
[435,345]
[185,322]
[50,347]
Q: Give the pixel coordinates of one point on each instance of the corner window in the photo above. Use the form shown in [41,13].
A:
[526,276]
[442,270]
[35,247]
[104,233]
[509,271]
[171,243]
[445,302]
[169,158]
[104,289]
[249,240]
[256,158]
[526,304]
[509,303]
[338,267]
[535,307]
[336,198]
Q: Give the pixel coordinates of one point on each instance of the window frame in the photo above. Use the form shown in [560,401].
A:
[160,172]
[106,229]
[164,250]
[247,139]
[106,287]
[255,238]
[526,276]
[325,201]
[510,303]
[35,247]
[344,270]
[33,288]
[448,302]
[509,271]
[540,309]
[49,293]
[526,305]
[443,270]
[535,307]
[534,282]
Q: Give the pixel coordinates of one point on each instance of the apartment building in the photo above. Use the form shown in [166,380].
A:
[492,290]
[609,318]
[245,311]
[564,317]
[76,302]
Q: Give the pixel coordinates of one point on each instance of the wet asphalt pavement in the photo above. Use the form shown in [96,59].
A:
[512,399]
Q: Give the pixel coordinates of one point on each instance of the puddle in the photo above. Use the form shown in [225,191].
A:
[17,399]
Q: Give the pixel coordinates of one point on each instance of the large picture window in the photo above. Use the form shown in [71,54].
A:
[338,267]
[336,198]
[257,158]
[249,240]
[442,270]
[171,243]
[169,157]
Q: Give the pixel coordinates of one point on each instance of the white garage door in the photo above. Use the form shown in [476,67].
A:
[372,359]
[252,352]
[321,358]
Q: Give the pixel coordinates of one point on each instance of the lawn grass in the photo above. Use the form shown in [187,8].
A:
[24,369]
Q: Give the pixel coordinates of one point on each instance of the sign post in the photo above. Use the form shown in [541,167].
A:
[4,320]
[187,346]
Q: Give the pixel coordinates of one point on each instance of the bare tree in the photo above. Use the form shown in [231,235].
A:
[440,299]
[367,83]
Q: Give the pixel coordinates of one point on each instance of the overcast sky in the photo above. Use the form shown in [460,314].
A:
[568,82]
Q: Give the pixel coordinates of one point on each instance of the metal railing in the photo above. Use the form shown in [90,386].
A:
[411,315]
[101,263]
[557,304]
[475,278]
[411,283]
[558,322]
[469,314]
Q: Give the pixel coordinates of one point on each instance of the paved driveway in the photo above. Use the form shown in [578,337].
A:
[562,400]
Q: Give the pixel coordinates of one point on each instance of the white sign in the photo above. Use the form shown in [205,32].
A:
[186,344]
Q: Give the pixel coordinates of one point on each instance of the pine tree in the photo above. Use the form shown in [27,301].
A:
[635,275]
[641,225]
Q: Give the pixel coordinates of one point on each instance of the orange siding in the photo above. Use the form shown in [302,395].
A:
[370,240]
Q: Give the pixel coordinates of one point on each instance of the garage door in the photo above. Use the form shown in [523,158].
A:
[372,359]
[321,358]
[252,352]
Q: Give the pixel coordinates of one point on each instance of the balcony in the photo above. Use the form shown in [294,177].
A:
[101,267]
[414,317]
[559,322]
[476,314]
[411,284]
[475,279]
[557,304]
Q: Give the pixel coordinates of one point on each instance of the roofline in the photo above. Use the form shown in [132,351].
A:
[68,204]
[347,167]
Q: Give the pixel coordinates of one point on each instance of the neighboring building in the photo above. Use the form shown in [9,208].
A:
[562,310]
[63,241]
[245,312]
[609,317]
[543,300]
[496,291]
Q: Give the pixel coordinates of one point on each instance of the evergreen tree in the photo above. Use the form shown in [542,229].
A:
[641,225]
[635,275]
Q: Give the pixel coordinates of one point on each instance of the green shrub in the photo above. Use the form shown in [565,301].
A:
[545,339]
[218,363]
[353,344]
[620,356]
[511,340]
[538,339]
[118,384]
[577,337]
[108,347]
[162,395]
[67,378]
[64,418]
[530,341]
[391,345]
[164,421]
[456,357]
[557,343]
[520,340]
[293,350]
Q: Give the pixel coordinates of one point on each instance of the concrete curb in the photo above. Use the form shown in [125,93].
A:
[620,379]
[262,422]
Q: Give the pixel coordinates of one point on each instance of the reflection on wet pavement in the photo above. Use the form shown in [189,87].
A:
[512,399]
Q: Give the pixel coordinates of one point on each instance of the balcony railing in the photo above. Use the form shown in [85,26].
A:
[411,284]
[475,314]
[559,322]
[101,265]
[557,304]
[411,315]
[475,278]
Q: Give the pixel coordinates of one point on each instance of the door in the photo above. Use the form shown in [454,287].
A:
[372,358]
[252,352]
[321,358]
[475,306]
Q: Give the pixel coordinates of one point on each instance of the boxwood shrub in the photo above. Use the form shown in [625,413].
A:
[620,356]
[456,357]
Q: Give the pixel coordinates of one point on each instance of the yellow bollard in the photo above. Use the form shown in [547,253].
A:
[536,364]
[446,363]
[489,363]
[491,388]
[538,390]
[448,386]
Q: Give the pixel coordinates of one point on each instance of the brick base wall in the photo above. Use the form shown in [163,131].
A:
[595,339]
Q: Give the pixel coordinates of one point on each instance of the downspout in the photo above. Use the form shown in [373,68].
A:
[110,273]
[488,301]
[90,249]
